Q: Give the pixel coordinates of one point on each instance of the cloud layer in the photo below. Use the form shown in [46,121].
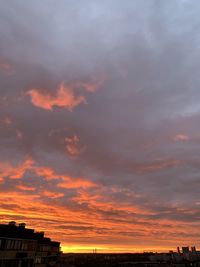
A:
[100,121]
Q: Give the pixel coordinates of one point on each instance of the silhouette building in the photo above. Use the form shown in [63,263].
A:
[23,247]
[185,249]
[193,249]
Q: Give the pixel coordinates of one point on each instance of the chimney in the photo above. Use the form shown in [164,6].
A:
[12,223]
[193,249]
[22,225]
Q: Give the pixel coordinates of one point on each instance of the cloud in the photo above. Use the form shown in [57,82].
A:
[5,68]
[65,98]
[52,194]
[72,145]
[14,172]
[7,121]
[100,119]
[25,188]
[181,137]
[76,183]
[158,165]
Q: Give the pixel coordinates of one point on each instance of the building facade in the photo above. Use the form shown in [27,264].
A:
[23,247]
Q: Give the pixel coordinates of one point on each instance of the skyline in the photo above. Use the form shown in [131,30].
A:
[99,121]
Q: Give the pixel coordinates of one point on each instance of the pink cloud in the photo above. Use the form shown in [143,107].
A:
[181,137]
[157,165]
[73,146]
[5,68]
[91,86]
[7,121]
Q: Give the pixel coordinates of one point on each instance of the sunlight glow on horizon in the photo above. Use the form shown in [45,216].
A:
[109,249]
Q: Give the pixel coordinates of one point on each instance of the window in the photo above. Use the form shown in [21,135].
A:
[8,244]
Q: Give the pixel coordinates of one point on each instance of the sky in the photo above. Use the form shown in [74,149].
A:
[100,122]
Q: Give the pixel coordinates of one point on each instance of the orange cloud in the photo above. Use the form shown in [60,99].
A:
[25,188]
[52,194]
[105,225]
[64,181]
[90,215]
[15,172]
[76,183]
[18,171]
[65,97]
[46,172]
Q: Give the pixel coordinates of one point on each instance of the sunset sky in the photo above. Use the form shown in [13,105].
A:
[100,121]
